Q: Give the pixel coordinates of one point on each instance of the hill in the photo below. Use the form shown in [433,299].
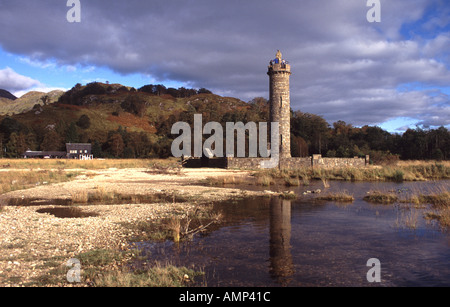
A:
[28,101]
[7,95]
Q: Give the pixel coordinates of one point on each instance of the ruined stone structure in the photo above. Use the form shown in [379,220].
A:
[280,103]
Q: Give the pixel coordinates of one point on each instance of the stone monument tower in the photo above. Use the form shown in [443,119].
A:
[280,105]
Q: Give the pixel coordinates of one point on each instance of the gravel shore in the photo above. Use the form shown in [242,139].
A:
[29,240]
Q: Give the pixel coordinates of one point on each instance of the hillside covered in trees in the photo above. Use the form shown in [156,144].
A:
[124,122]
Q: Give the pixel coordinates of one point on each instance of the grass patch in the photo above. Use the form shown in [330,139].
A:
[342,196]
[441,204]
[440,200]
[101,196]
[442,216]
[397,176]
[19,180]
[105,268]
[219,182]
[93,263]
[288,195]
[380,197]
[156,276]
[291,181]
[64,164]
[264,180]
[402,172]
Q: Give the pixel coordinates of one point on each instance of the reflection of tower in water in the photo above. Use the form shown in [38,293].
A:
[281,265]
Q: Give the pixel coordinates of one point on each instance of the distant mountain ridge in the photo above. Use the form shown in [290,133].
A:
[7,95]
[26,102]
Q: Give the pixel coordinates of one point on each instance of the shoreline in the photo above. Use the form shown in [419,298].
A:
[36,246]
[33,244]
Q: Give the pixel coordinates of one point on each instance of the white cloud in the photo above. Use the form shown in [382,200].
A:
[19,85]
[14,82]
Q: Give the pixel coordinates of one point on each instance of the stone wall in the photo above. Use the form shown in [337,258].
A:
[245,163]
[295,163]
[288,163]
[318,161]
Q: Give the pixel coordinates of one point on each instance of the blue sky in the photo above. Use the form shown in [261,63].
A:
[50,75]
[394,74]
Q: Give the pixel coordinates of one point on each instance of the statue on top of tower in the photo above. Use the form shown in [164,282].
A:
[279,60]
[278,55]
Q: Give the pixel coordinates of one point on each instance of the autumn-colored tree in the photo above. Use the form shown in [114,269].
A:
[116,144]
[52,141]
[138,144]
[299,147]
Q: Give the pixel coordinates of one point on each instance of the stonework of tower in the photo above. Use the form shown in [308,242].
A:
[280,105]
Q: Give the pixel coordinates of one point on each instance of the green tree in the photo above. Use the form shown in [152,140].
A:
[413,144]
[97,151]
[204,91]
[134,104]
[84,122]
[72,134]
[17,145]
[9,125]
[313,129]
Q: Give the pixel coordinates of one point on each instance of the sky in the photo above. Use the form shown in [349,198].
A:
[394,73]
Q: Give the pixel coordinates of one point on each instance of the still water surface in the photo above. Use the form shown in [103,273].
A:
[274,242]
